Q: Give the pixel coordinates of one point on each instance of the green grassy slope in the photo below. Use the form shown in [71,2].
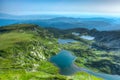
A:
[24,53]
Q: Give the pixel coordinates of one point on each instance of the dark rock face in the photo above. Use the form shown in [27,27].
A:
[107,39]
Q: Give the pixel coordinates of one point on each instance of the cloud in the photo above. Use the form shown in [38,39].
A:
[60,6]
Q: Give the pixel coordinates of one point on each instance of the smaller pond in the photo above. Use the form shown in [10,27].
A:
[65,41]
[87,37]
[75,33]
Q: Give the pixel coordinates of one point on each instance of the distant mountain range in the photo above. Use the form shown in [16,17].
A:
[56,21]
[26,17]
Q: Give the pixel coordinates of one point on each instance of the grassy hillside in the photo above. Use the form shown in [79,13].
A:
[25,50]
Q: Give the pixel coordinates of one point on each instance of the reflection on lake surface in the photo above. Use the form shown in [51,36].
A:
[65,61]
[87,37]
[65,41]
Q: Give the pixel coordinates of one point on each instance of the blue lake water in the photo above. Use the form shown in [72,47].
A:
[65,61]
[75,33]
[65,41]
[87,37]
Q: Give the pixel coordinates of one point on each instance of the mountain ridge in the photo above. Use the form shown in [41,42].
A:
[101,24]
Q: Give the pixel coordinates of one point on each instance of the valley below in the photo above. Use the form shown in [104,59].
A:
[26,50]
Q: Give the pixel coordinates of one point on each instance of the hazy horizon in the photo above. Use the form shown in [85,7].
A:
[78,15]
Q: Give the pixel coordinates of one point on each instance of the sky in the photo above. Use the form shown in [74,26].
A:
[29,7]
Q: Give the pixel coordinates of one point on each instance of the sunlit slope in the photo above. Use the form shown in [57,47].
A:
[24,53]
